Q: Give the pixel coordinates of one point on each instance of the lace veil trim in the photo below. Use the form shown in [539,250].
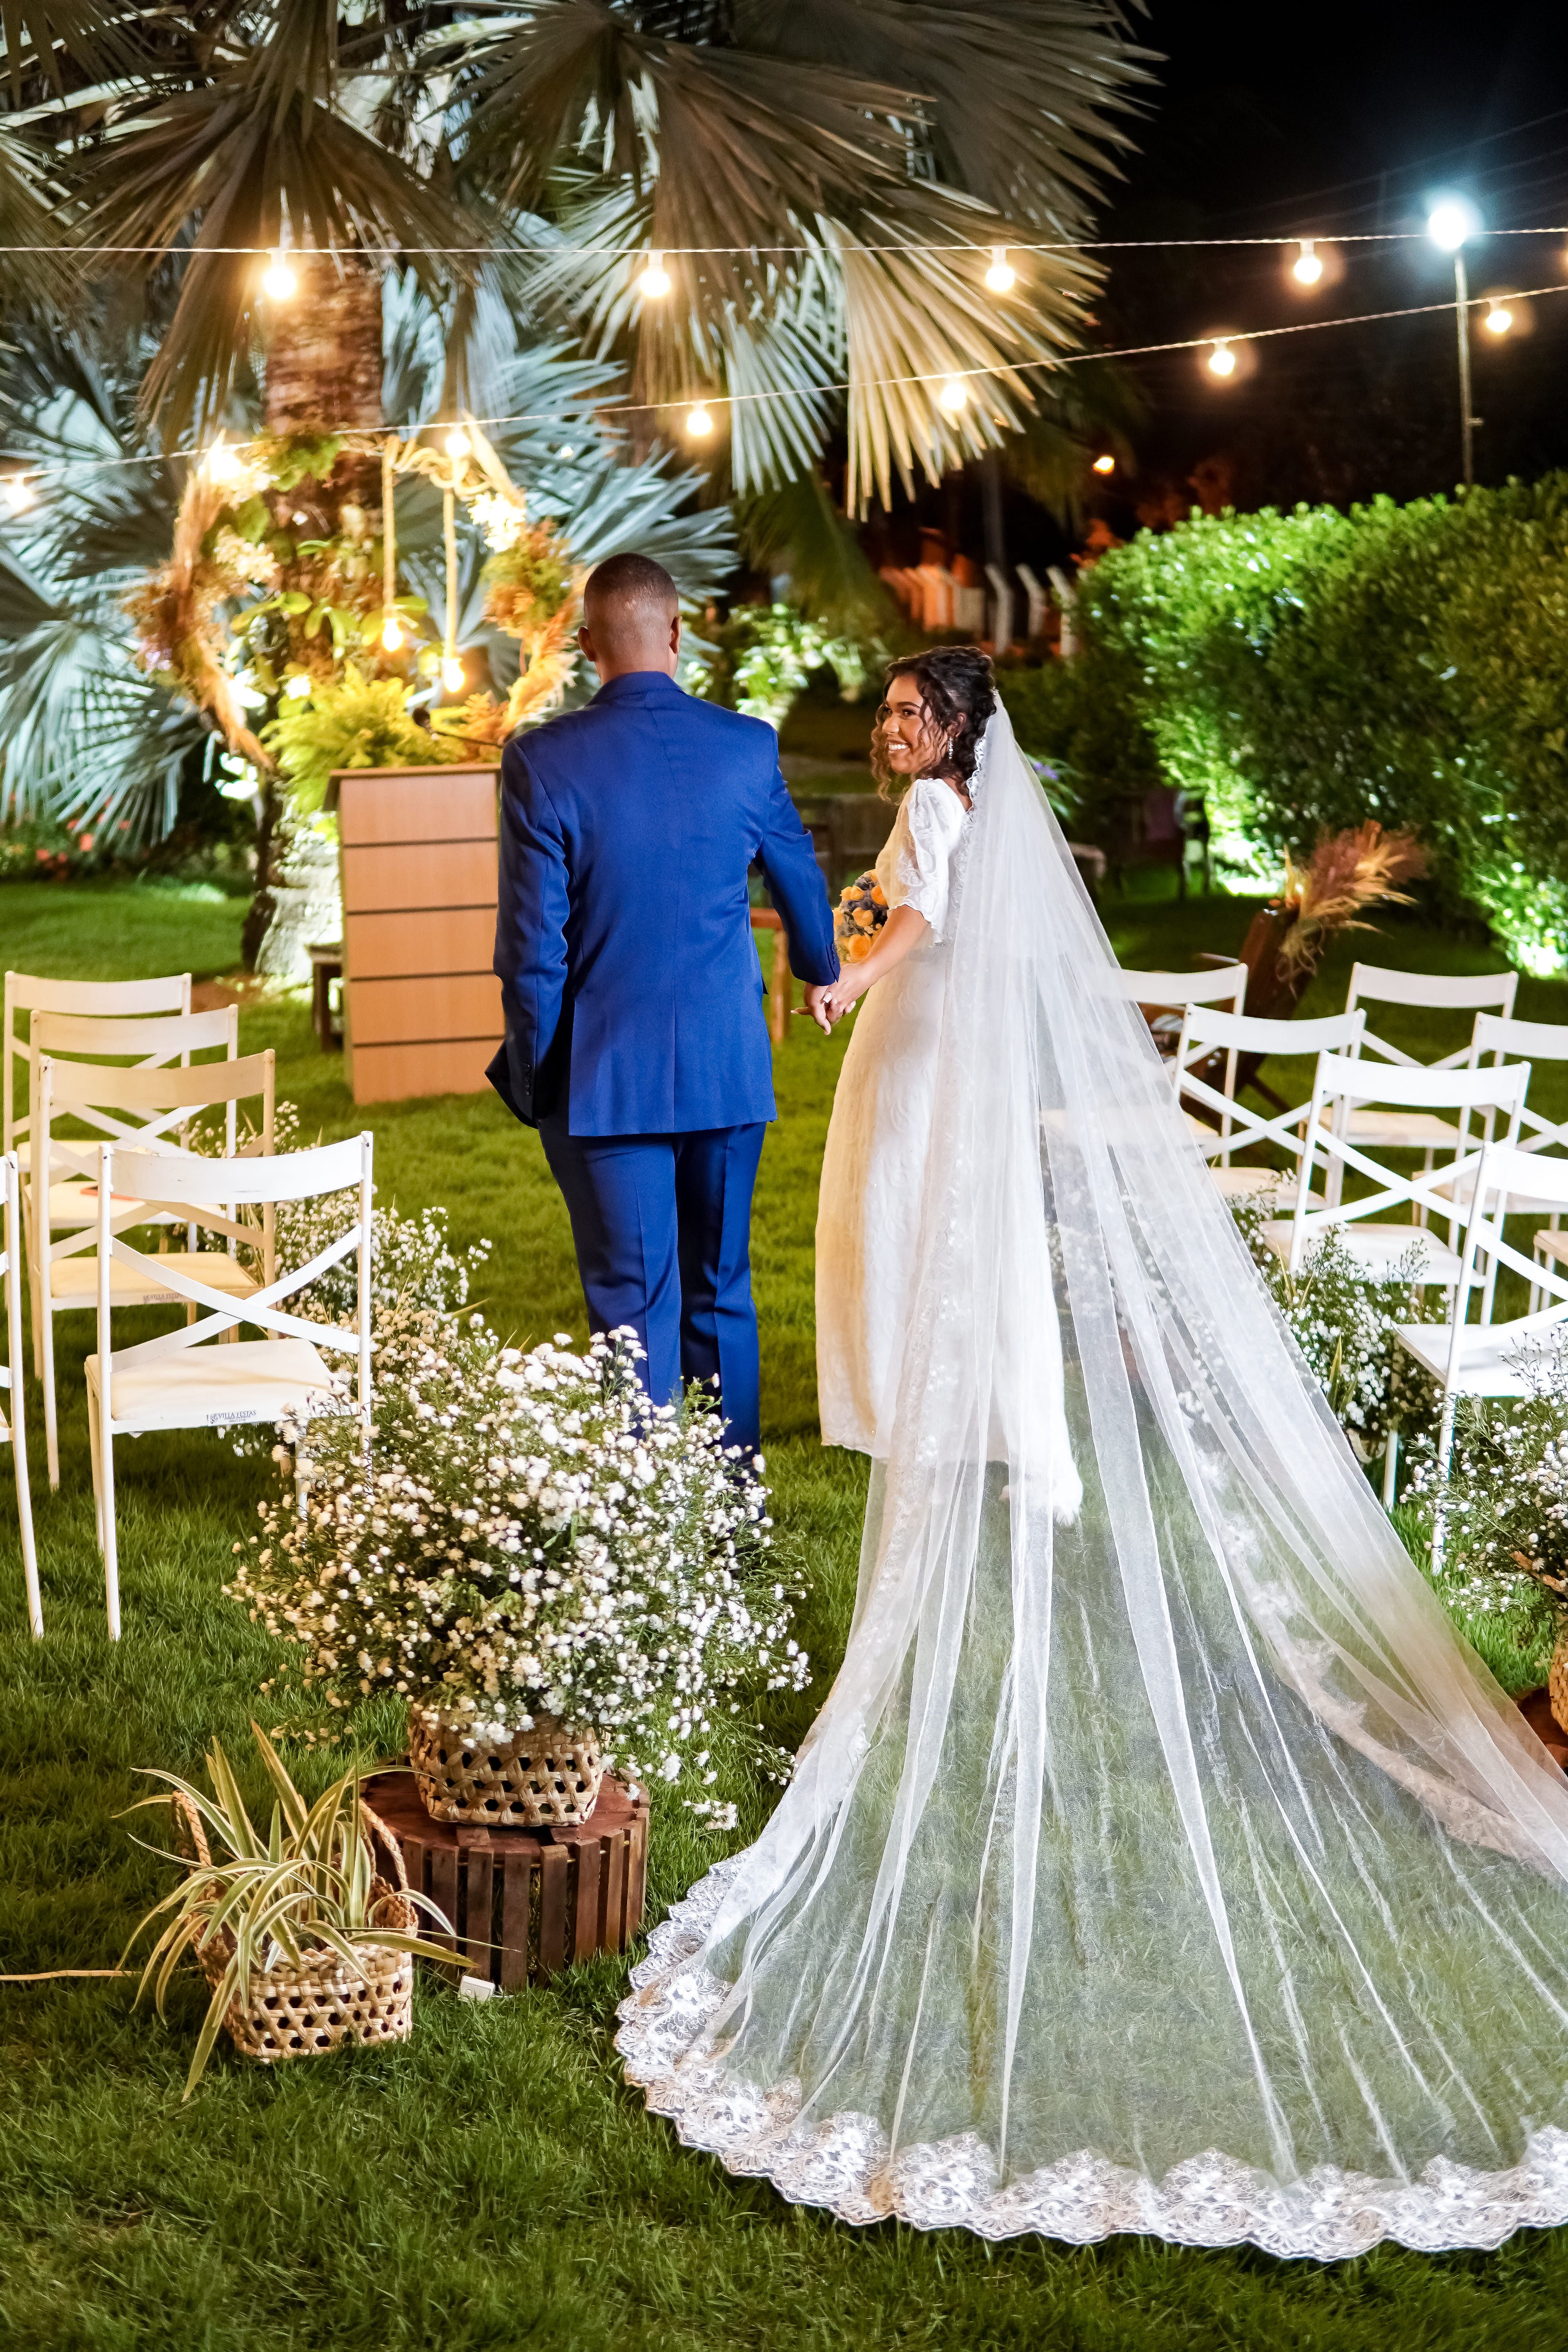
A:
[842,2161]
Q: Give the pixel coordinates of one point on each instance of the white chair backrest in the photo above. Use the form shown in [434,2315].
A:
[1345,1079]
[1531,1041]
[1505,1169]
[157,1100]
[156,1042]
[1205,1032]
[1434,992]
[206,1193]
[1173,989]
[30,992]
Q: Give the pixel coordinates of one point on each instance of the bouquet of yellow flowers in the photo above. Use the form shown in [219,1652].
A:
[862,911]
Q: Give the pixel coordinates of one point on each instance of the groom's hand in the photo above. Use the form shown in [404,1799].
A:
[816,1008]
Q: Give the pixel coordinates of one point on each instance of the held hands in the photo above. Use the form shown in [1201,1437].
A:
[827,1006]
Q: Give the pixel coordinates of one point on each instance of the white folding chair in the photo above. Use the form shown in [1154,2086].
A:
[12,1431]
[1432,992]
[175,1381]
[1164,996]
[33,993]
[1342,1085]
[162,1099]
[1206,1033]
[1483,1360]
[1534,1042]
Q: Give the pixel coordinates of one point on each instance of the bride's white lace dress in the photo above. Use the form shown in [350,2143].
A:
[1167,1863]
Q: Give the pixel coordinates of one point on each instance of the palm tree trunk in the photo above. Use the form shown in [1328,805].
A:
[323,375]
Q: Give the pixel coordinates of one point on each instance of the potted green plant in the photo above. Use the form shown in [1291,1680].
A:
[305,1942]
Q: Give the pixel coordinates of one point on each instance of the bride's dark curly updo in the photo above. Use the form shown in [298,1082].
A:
[958,688]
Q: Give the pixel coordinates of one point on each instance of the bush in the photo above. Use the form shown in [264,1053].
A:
[1304,672]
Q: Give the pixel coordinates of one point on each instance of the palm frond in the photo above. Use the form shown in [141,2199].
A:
[798,531]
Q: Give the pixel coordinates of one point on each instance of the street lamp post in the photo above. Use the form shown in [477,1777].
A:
[1450,223]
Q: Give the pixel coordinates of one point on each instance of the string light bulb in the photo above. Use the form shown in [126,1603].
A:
[459,446]
[279,283]
[391,634]
[654,279]
[223,465]
[1307,266]
[699,422]
[297,686]
[1498,318]
[18,492]
[1105,464]
[1001,275]
[1451,220]
[953,396]
[1222,359]
[454,678]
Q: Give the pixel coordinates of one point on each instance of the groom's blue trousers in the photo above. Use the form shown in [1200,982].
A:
[662,1224]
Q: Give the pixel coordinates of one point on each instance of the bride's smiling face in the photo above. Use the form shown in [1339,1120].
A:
[911,744]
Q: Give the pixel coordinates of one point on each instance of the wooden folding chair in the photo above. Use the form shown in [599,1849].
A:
[160,1100]
[177,1382]
[12,1431]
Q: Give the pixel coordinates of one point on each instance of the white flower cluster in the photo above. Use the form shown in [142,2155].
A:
[1507,1502]
[501,521]
[1343,1321]
[527,1535]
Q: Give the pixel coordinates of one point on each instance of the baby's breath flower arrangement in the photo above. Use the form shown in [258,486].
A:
[528,1540]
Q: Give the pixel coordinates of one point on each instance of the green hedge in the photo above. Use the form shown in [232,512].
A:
[1306,671]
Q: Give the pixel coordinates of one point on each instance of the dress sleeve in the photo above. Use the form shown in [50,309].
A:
[935,820]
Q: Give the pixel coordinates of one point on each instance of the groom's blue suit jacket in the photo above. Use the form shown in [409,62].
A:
[632,991]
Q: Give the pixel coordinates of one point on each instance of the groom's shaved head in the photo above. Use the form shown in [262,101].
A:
[630,608]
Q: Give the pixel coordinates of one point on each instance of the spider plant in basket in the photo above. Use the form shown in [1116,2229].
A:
[305,1943]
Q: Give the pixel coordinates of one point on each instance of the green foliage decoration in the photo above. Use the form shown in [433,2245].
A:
[762,655]
[353,721]
[1304,672]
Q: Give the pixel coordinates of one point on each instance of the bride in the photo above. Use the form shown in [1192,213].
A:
[1161,1860]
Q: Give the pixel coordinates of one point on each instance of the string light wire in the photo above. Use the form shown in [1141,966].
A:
[941,377]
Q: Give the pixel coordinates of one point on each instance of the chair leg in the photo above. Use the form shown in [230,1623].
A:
[1389,1470]
[92,1443]
[1440,1516]
[51,1414]
[111,1533]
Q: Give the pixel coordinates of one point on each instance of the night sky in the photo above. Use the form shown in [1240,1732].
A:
[1309,121]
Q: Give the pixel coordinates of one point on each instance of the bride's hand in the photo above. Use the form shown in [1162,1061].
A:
[845,992]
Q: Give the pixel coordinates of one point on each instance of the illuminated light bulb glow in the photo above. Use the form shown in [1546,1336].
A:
[566,451]
[1106,465]
[1499,319]
[391,633]
[222,465]
[654,279]
[18,492]
[1222,360]
[279,283]
[297,686]
[453,675]
[953,396]
[1001,274]
[1308,268]
[458,444]
[698,423]
[1450,221]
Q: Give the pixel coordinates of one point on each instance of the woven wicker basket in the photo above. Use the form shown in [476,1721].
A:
[531,1779]
[305,2011]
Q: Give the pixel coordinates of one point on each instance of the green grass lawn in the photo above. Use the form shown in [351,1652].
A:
[494,2185]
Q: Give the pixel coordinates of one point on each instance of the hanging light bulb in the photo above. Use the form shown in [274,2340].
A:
[223,465]
[454,678]
[391,634]
[699,422]
[1498,318]
[654,279]
[18,492]
[458,444]
[1105,464]
[297,686]
[1307,268]
[1222,359]
[279,283]
[566,452]
[1001,275]
[953,396]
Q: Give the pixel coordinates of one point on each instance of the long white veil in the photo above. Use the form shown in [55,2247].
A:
[1171,1866]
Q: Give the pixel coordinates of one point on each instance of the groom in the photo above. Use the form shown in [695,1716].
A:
[635,1040]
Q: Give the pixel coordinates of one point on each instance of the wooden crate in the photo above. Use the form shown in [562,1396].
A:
[422,1011]
[525,1902]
